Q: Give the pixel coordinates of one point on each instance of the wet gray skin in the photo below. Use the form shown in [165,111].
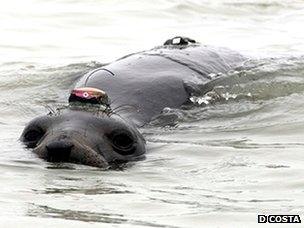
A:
[148,82]
[86,138]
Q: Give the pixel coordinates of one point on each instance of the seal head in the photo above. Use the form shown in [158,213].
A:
[85,133]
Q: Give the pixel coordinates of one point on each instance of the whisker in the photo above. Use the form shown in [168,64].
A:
[50,109]
[119,116]
[112,102]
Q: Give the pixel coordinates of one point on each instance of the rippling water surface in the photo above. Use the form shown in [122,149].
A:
[237,153]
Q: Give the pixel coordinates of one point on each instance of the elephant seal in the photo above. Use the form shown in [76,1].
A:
[144,83]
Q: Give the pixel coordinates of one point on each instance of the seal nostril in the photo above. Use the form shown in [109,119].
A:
[59,151]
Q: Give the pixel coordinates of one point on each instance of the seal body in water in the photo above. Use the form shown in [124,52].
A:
[141,85]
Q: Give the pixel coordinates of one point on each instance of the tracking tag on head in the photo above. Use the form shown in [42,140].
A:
[89,95]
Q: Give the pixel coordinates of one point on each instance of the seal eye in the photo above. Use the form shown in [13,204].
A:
[32,137]
[123,143]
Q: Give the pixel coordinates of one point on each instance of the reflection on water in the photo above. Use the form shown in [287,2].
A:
[45,211]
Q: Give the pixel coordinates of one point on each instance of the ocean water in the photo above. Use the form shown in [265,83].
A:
[236,154]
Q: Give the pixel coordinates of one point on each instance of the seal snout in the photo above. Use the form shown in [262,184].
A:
[59,151]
